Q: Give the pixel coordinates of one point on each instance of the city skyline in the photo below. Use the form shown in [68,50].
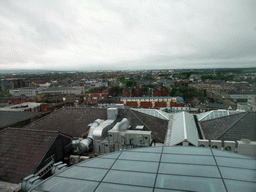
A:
[113,35]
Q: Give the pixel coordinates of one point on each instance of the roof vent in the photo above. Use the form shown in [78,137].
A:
[139,127]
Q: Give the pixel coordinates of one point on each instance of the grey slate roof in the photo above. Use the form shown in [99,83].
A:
[75,121]
[232,127]
[21,151]
[8,118]
[218,105]
[71,121]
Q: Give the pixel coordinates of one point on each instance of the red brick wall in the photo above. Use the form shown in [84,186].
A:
[145,104]
[156,93]
[137,92]
[160,104]
[180,105]
[126,94]
[132,103]
[164,92]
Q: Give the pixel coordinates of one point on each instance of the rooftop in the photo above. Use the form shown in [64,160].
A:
[231,127]
[158,169]
[21,151]
[71,121]
[8,118]
[75,121]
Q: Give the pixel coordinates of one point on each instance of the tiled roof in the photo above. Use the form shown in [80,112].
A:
[8,118]
[71,121]
[156,125]
[74,121]
[233,127]
[21,151]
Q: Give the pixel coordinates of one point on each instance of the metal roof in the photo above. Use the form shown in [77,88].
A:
[215,114]
[183,129]
[154,112]
[158,169]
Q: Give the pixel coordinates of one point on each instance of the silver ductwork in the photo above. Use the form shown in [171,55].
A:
[30,182]
[98,130]
[84,145]
[57,167]
[122,125]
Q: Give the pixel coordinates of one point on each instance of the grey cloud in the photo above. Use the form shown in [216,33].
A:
[148,34]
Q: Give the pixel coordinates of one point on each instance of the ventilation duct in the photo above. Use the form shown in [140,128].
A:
[203,143]
[216,144]
[85,144]
[57,167]
[30,182]
[229,146]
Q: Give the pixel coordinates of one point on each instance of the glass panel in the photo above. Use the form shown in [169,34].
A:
[239,163]
[165,190]
[148,149]
[188,150]
[240,186]
[189,183]
[113,155]
[84,173]
[238,174]
[57,184]
[190,159]
[132,178]
[192,170]
[98,162]
[136,166]
[103,187]
[229,154]
[140,156]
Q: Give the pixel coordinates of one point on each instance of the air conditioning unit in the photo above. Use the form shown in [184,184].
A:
[74,159]
[83,158]
[247,147]
[203,143]
[216,144]
[230,146]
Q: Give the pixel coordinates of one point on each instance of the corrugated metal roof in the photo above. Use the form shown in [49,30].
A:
[183,129]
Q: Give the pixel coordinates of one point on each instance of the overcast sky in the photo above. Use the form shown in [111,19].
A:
[150,34]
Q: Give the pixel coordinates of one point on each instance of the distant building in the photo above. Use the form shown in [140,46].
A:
[62,90]
[160,92]
[251,103]
[6,85]
[28,106]
[29,92]
[152,102]
[12,83]
[94,98]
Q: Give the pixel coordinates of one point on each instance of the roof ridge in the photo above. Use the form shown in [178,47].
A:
[232,125]
[39,130]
